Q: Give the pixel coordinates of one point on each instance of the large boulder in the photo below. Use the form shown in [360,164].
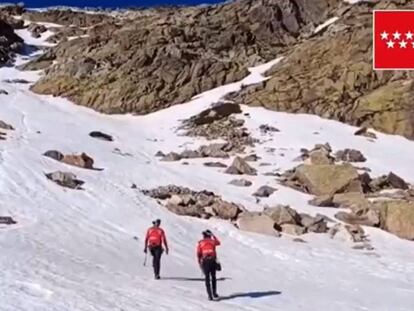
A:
[293,229]
[328,179]
[353,200]
[369,218]
[317,224]
[82,160]
[257,223]
[397,217]
[240,167]
[282,215]
[390,181]
[226,210]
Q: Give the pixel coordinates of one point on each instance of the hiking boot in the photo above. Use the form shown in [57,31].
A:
[157,277]
[215,295]
[210,298]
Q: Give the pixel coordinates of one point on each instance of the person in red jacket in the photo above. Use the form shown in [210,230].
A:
[154,240]
[207,259]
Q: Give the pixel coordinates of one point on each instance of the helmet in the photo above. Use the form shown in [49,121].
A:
[207,234]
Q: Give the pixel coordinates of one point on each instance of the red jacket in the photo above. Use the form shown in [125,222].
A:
[155,237]
[207,247]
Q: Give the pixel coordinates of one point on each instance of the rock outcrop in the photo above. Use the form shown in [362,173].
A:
[202,204]
[331,75]
[161,57]
[10,43]
[325,179]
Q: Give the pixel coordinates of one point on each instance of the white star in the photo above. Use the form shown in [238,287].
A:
[397,35]
[390,44]
[409,35]
[403,44]
[384,35]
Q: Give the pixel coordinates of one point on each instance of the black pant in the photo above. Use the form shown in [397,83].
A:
[156,252]
[209,269]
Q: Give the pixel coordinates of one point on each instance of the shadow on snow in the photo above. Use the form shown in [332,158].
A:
[251,295]
[187,279]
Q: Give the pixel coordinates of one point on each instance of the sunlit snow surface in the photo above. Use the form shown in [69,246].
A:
[75,250]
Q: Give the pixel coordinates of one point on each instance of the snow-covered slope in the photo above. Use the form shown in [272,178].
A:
[75,250]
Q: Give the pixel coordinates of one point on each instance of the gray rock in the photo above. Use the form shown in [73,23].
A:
[264,191]
[160,154]
[190,154]
[241,183]
[101,136]
[251,158]
[5,126]
[54,154]
[396,181]
[322,201]
[65,179]
[215,164]
[218,112]
[281,215]
[7,220]
[214,151]
[315,224]
[264,128]
[349,155]
[3,92]
[240,167]
[171,157]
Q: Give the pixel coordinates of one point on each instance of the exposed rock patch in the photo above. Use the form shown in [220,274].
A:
[215,164]
[7,220]
[101,136]
[82,160]
[65,179]
[264,191]
[10,43]
[241,183]
[166,56]
[6,126]
[202,204]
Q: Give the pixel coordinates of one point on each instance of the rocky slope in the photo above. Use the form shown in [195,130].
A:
[9,42]
[331,75]
[166,56]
